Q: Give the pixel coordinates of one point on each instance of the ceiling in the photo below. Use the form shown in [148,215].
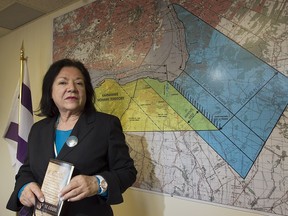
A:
[15,13]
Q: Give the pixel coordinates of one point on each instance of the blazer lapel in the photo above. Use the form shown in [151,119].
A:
[80,130]
[47,143]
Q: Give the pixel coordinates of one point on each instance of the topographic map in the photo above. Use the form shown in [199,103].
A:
[201,89]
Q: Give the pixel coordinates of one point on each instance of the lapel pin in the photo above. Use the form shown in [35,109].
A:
[72,141]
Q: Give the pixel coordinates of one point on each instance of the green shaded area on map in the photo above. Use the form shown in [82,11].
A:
[149,105]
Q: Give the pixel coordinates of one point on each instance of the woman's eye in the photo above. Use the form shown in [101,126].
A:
[80,83]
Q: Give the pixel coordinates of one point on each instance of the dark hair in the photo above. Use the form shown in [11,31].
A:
[47,106]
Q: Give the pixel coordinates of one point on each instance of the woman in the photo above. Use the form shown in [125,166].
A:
[103,167]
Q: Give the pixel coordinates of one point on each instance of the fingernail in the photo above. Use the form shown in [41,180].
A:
[42,199]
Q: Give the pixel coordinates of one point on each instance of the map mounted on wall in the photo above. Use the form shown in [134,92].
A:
[201,91]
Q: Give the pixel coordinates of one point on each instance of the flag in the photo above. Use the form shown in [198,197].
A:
[20,120]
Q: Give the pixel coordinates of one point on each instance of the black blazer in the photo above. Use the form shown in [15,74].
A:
[101,150]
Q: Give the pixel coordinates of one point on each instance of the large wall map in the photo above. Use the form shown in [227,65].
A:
[201,89]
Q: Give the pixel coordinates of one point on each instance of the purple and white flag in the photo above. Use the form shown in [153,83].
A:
[20,121]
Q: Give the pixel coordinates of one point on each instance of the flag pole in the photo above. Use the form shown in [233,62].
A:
[22,59]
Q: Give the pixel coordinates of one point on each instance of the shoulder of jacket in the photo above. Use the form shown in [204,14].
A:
[44,121]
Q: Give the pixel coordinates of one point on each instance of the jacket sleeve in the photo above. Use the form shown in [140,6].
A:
[122,172]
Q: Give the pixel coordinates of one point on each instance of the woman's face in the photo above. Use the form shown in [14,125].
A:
[68,91]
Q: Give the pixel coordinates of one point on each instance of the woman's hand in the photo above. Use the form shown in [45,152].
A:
[80,187]
[30,193]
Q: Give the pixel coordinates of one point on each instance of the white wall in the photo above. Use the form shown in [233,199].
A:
[37,38]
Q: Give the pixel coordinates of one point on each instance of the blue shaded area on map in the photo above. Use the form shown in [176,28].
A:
[240,94]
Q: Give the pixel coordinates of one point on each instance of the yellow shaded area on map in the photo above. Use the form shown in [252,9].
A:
[148,105]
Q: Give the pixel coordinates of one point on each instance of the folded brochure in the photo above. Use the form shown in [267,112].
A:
[58,174]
